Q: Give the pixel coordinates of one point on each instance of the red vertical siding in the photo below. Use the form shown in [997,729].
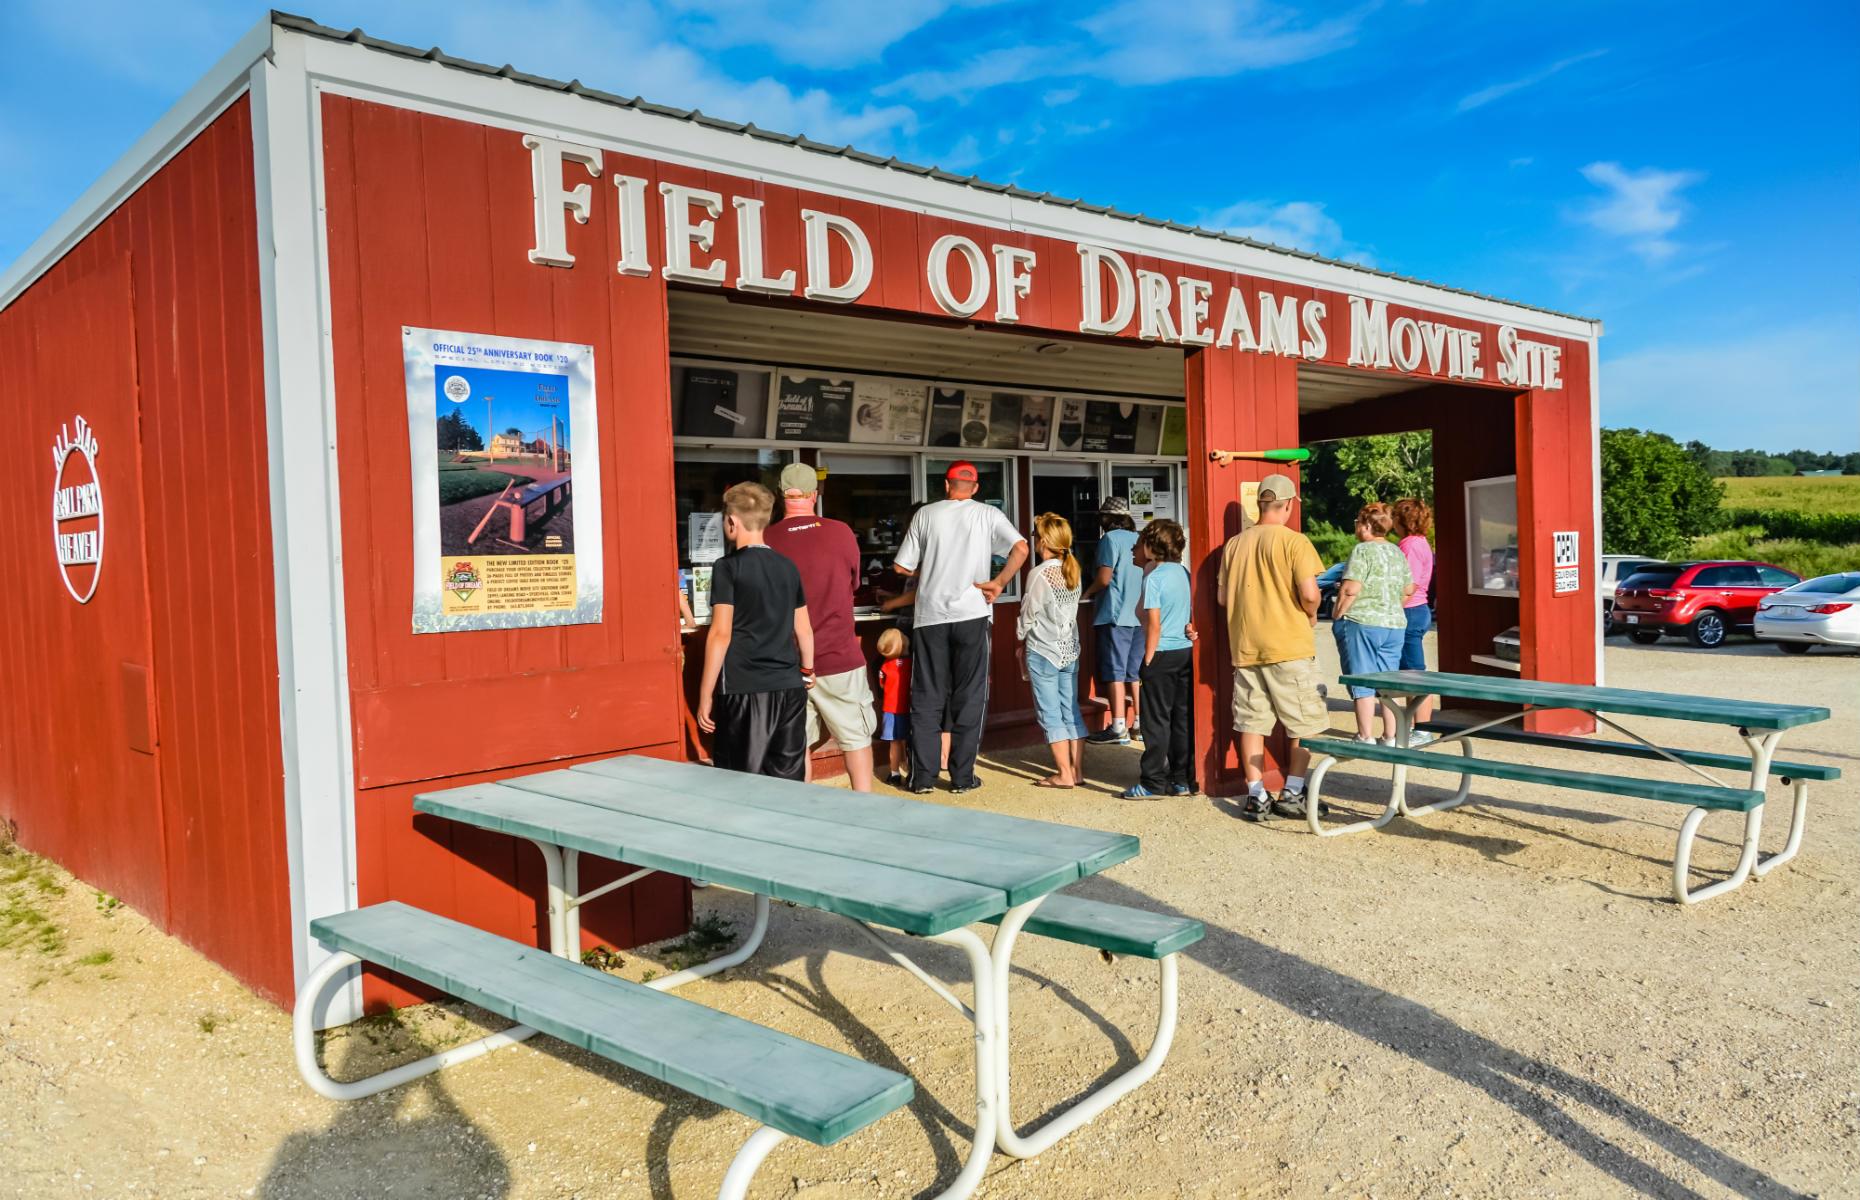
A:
[199,847]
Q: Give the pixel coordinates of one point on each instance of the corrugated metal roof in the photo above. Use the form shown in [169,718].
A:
[575,87]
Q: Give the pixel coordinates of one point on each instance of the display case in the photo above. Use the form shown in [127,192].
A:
[1492,536]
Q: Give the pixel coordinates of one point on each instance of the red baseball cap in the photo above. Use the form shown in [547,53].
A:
[964,470]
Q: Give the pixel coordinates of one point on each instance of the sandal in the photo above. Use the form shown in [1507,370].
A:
[1059,787]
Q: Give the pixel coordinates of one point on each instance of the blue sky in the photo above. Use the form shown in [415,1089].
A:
[1690,173]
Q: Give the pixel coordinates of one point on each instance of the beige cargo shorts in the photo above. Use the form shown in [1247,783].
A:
[1280,693]
[842,703]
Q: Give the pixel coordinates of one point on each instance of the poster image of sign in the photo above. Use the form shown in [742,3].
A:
[1111,426]
[1567,559]
[710,405]
[1174,432]
[946,405]
[704,537]
[889,413]
[1069,430]
[503,440]
[813,408]
[976,410]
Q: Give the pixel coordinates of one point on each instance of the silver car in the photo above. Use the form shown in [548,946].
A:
[1823,611]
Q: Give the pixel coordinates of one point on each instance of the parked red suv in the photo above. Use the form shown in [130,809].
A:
[1705,601]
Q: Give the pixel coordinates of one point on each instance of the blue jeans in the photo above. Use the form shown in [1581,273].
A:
[1056,698]
[1364,649]
[1413,641]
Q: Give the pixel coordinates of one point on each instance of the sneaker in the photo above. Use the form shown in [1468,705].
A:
[1256,808]
[1421,737]
[1184,789]
[1137,791]
[895,779]
[1291,805]
[1109,737]
[1136,732]
[922,789]
[973,785]
[1364,741]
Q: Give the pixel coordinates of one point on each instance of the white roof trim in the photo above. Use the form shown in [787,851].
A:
[194,111]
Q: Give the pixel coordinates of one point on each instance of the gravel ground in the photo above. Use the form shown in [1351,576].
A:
[1497,1001]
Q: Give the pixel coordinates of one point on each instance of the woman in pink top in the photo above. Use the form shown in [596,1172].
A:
[1413,522]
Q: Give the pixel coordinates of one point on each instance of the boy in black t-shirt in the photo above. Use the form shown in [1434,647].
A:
[759,655]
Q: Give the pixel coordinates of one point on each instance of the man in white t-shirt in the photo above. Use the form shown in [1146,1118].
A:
[948,551]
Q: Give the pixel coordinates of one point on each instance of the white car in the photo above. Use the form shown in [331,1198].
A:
[1823,611]
[1614,569]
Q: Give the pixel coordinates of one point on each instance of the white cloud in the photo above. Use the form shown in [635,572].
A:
[1486,95]
[1295,225]
[1058,97]
[1011,64]
[1774,388]
[1642,206]
[1148,43]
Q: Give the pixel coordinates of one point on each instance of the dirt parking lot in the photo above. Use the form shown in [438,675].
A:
[1497,1001]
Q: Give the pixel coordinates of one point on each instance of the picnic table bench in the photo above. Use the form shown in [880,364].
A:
[925,870]
[1760,725]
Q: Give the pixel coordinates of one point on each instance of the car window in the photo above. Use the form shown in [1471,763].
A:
[1653,577]
[1775,577]
[1725,577]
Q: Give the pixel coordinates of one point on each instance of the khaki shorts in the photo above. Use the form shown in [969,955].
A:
[843,703]
[1281,692]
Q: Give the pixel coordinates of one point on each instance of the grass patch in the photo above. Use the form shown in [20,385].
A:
[107,904]
[710,934]
[97,958]
[1805,558]
[1799,493]
[456,485]
[602,958]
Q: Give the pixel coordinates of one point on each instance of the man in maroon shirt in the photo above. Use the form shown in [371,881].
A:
[826,552]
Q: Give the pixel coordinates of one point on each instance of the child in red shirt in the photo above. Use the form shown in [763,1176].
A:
[894,685]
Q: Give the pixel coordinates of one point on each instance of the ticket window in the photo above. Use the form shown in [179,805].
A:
[699,479]
[995,487]
[872,494]
[1073,490]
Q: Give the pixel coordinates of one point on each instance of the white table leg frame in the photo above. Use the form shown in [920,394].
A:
[1762,748]
[1398,778]
[1037,1141]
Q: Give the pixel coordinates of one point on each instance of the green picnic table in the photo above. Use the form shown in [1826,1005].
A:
[921,869]
[1760,724]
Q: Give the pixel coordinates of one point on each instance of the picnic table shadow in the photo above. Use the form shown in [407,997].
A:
[1318,993]
[370,1150]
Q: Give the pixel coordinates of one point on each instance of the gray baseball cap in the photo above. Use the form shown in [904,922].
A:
[799,477]
[1280,486]
[1114,506]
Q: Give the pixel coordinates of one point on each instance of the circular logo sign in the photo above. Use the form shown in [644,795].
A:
[77,509]
[458,390]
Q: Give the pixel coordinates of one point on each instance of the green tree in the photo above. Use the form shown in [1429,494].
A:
[455,433]
[1655,496]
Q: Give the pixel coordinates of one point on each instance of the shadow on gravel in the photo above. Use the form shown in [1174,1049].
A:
[389,1145]
[1549,1096]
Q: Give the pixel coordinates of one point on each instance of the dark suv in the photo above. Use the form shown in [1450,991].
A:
[1705,601]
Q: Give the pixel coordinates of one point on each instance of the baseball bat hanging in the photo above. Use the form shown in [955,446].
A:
[1224,457]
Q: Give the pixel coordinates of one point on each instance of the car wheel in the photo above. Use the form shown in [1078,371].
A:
[1708,630]
[1645,637]
[1793,647]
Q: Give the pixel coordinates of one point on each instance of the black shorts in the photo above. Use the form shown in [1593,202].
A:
[761,733]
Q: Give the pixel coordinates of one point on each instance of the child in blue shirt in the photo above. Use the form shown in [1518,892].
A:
[1165,607]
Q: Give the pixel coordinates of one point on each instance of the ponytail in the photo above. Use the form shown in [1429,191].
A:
[1069,569]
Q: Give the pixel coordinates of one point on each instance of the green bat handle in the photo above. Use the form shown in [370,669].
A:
[1298,455]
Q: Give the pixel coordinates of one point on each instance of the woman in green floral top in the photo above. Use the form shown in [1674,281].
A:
[1368,620]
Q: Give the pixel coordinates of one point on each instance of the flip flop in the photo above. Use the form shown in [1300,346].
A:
[1058,787]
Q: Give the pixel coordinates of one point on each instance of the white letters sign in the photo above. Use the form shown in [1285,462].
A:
[77,510]
[1567,561]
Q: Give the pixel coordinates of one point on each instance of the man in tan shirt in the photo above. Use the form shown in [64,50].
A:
[1268,586]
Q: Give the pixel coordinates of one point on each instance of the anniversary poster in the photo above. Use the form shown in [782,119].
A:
[888,413]
[502,438]
[813,408]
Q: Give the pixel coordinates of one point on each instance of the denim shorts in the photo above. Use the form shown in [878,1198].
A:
[1364,649]
[1120,653]
[1414,638]
[1056,698]
[894,727]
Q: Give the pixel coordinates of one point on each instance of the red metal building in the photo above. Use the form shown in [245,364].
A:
[222,710]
